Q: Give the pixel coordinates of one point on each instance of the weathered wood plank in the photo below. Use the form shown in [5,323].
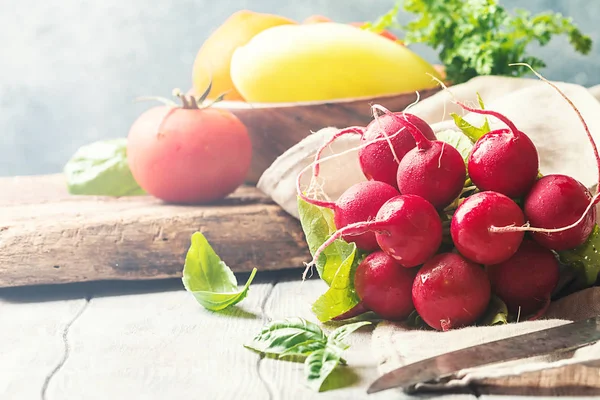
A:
[51,237]
[31,344]
[159,346]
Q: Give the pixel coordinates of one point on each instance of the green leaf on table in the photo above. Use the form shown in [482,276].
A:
[290,336]
[299,337]
[319,365]
[101,169]
[495,314]
[458,140]
[584,260]
[318,225]
[209,279]
[341,295]
[338,335]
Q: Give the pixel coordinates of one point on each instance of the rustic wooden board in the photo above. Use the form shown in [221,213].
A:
[48,236]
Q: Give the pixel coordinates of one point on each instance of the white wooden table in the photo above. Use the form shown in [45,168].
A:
[152,341]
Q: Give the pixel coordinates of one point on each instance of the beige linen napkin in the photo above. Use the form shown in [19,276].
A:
[540,112]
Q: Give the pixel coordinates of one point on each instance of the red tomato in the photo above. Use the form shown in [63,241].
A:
[189,156]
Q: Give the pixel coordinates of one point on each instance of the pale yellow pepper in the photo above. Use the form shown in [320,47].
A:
[312,62]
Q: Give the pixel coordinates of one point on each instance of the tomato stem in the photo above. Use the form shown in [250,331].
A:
[187,102]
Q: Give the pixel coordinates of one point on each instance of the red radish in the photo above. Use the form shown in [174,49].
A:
[555,201]
[383,144]
[450,292]
[360,202]
[384,286]
[564,207]
[526,280]
[377,161]
[407,228]
[433,170]
[504,161]
[472,222]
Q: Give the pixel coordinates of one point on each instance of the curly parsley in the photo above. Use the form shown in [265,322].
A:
[479,37]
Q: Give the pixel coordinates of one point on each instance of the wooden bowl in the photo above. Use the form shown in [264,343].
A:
[275,127]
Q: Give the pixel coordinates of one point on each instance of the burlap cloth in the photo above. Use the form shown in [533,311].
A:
[541,113]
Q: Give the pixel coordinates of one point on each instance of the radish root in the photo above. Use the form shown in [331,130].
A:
[384,133]
[594,199]
[330,204]
[354,129]
[527,228]
[420,139]
[585,126]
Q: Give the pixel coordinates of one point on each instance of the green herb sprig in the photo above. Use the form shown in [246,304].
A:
[480,37]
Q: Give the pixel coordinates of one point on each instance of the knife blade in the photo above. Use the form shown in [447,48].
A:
[561,338]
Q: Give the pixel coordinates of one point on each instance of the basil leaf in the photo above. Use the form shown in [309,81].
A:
[458,140]
[303,349]
[299,337]
[101,169]
[318,225]
[337,337]
[584,260]
[209,279]
[341,295]
[495,314]
[319,365]
[290,336]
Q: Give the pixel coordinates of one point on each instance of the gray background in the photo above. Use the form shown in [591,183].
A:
[70,69]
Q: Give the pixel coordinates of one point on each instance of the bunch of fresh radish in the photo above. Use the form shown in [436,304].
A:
[444,235]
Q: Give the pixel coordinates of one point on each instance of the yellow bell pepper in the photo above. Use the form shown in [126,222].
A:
[312,62]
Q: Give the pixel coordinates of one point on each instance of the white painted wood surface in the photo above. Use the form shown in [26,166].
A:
[103,341]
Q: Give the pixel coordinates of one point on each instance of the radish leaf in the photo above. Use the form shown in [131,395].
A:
[318,225]
[472,132]
[496,313]
[341,295]
[209,279]
[584,260]
[458,140]
[101,169]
